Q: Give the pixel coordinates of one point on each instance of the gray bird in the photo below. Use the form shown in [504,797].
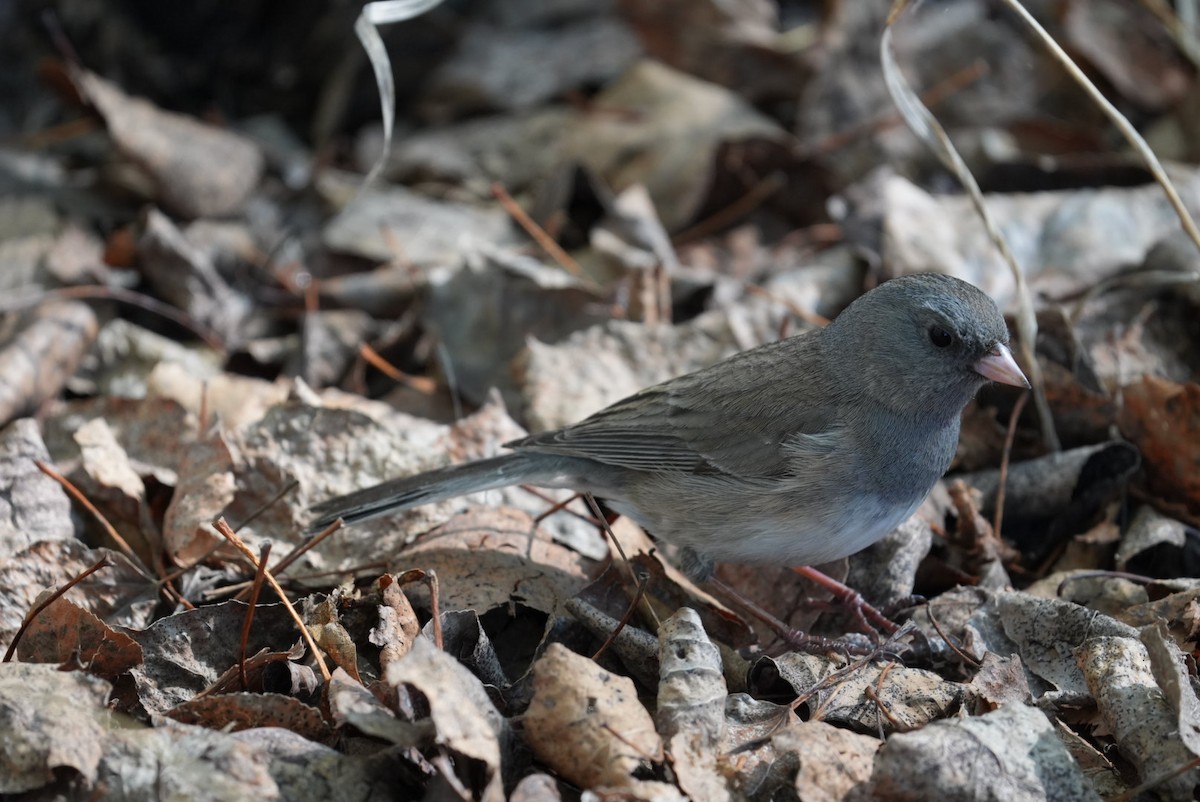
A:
[798,452]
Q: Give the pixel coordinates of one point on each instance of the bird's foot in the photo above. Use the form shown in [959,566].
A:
[867,617]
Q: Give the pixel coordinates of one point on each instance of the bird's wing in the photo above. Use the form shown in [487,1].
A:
[749,416]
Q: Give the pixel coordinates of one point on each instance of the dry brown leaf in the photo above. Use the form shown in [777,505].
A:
[749,757]
[231,712]
[735,45]
[588,725]
[187,277]
[1180,612]
[536,788]
[487,558]
[398,626]
[877,697]
[325,624]
[41,352]
[149,430]
[651,104]
[198,170]
[1162,418]
[691,704]
[108,479]
[1041,631]
[835,764]
[53,720]
[465,721]
[206,487]
[69,635]
[350,704]
[119,594]
[1010,754]
[33,507]
[999,681]
[236,401]
[1171,670]
[187,652]
[1136,711]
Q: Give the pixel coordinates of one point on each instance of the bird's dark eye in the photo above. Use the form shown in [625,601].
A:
[940,337]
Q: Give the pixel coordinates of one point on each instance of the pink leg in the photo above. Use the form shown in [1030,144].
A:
[849,597]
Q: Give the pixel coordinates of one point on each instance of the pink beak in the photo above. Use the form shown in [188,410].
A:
[999,366]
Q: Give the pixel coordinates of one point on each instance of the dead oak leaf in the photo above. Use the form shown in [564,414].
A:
[1162,418]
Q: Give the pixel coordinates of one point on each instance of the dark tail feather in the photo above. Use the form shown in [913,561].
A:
[423,488]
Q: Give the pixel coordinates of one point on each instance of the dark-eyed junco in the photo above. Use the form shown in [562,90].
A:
[798,452]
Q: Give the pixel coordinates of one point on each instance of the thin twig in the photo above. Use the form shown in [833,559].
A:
[227,532]
[58,594]
[539,235]
[739,208]
[421,384]
[109,529]
[1009,437]
[251,605]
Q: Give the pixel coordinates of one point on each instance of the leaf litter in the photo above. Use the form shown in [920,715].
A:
[210,316]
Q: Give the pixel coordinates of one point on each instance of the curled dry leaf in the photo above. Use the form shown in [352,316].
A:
[108,479]
[1011,753]
[398,625]
[54,720]
[637,648]
[1149,528]
[1136,711]
[1170,669]
[186,276]
[588,725]
[41,353]
[465,721]
[464,637]
[691,691]
[1180,612]
[350,704]
[33,507]
[749,750]
[325,624]
[691,704]
[198,170]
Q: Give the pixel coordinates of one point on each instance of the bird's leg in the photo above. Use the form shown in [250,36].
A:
[812,644]
[867,616]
